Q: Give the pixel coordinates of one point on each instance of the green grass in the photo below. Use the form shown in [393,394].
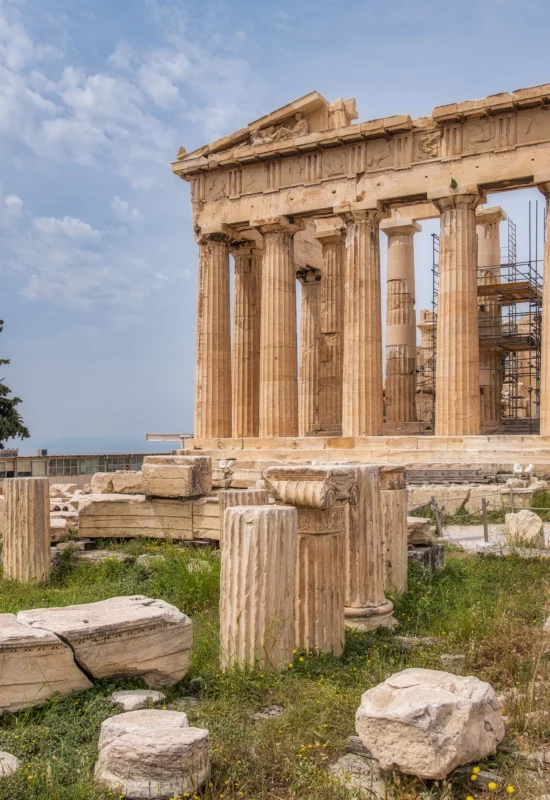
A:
[490,609]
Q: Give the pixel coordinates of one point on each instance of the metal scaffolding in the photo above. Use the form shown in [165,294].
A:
[510,321]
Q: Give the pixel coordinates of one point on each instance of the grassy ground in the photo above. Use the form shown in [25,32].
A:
[491,610]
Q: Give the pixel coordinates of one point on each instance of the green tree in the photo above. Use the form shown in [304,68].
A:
[11,424]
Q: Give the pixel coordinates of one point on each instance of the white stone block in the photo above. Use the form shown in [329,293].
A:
[177,476]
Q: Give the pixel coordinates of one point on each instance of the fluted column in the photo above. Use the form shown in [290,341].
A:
[543,183]
[331,236]
[213,375]
[400,321]
[310,336]
[26,552]
[246,339]
[364,555]
[278,345]
[362,394]
[490,314]
[393,505]
[457,411]
[257,589]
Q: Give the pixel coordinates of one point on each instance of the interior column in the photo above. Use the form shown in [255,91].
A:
[213,375]
[246,339]
[278,345]
[543,183]
[362,393]
[490,315]
[331,236]
[310,336]
[457,409]
[400,392]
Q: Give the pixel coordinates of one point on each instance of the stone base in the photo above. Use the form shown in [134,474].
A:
[368,619]
[431,557]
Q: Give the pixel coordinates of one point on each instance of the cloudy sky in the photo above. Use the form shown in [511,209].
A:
[97,258]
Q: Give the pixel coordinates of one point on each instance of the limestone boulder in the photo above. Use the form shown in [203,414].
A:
[136,699]
[419,530]
[122,482]
[102,483]
[426,723]
[34,665]
[62,489]
[8,764]
[146,754]
[525,529]
[129,516]
[177,476]
[122,636]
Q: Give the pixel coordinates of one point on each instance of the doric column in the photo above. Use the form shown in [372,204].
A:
[308,394]
[246,339]
[257,589]
[26,554]
[457,410]
[278,345]
[366,604]
[400,321]
[543,183]
[213,377]
[490,314]
[362,394]
[393,505]
[331,236]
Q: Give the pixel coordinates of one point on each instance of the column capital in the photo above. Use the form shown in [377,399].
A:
[467,195]
[490,216]
[306,275]
[217,233]
[399,227]
[330,231]
[542,182]
[279,224]
[362,210]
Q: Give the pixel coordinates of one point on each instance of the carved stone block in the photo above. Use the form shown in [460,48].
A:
[129,516]
[315,486]
[177,476]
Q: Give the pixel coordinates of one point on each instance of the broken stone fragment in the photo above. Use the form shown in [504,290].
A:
[136,699]
[93,558]
[524,529]
[177,476]
[426,723]
[123,636]
[34,665]
[124,482]
[144,754]
[8,764]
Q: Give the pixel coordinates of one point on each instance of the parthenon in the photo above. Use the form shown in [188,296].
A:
[302,194]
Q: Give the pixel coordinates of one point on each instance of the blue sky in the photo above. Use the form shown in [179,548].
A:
[97,258]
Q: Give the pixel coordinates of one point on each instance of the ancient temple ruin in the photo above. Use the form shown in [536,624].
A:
[302,194]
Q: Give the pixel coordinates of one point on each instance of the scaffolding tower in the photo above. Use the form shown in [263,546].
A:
[512,324]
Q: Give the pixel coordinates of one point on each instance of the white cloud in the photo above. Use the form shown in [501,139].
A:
[122,57]
[123,211]
[67,227]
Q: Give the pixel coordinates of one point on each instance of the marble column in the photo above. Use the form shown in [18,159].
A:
[213,375]
[362,393]
[393,511]
[366,605]
[257,586]
[278,337]
[246,339]
[26,553]
[490,315]
[543,183]
[310,339]
[331,236]
[400,321]
[457,410]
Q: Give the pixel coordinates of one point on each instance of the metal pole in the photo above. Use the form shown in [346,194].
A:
[437,517]
[485,525]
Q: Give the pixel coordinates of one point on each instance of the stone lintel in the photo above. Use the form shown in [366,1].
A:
[444,197]
[314,486]
[394,227]
[490,216]
[245,247]
[330,231]
[308,275]
[279,224]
